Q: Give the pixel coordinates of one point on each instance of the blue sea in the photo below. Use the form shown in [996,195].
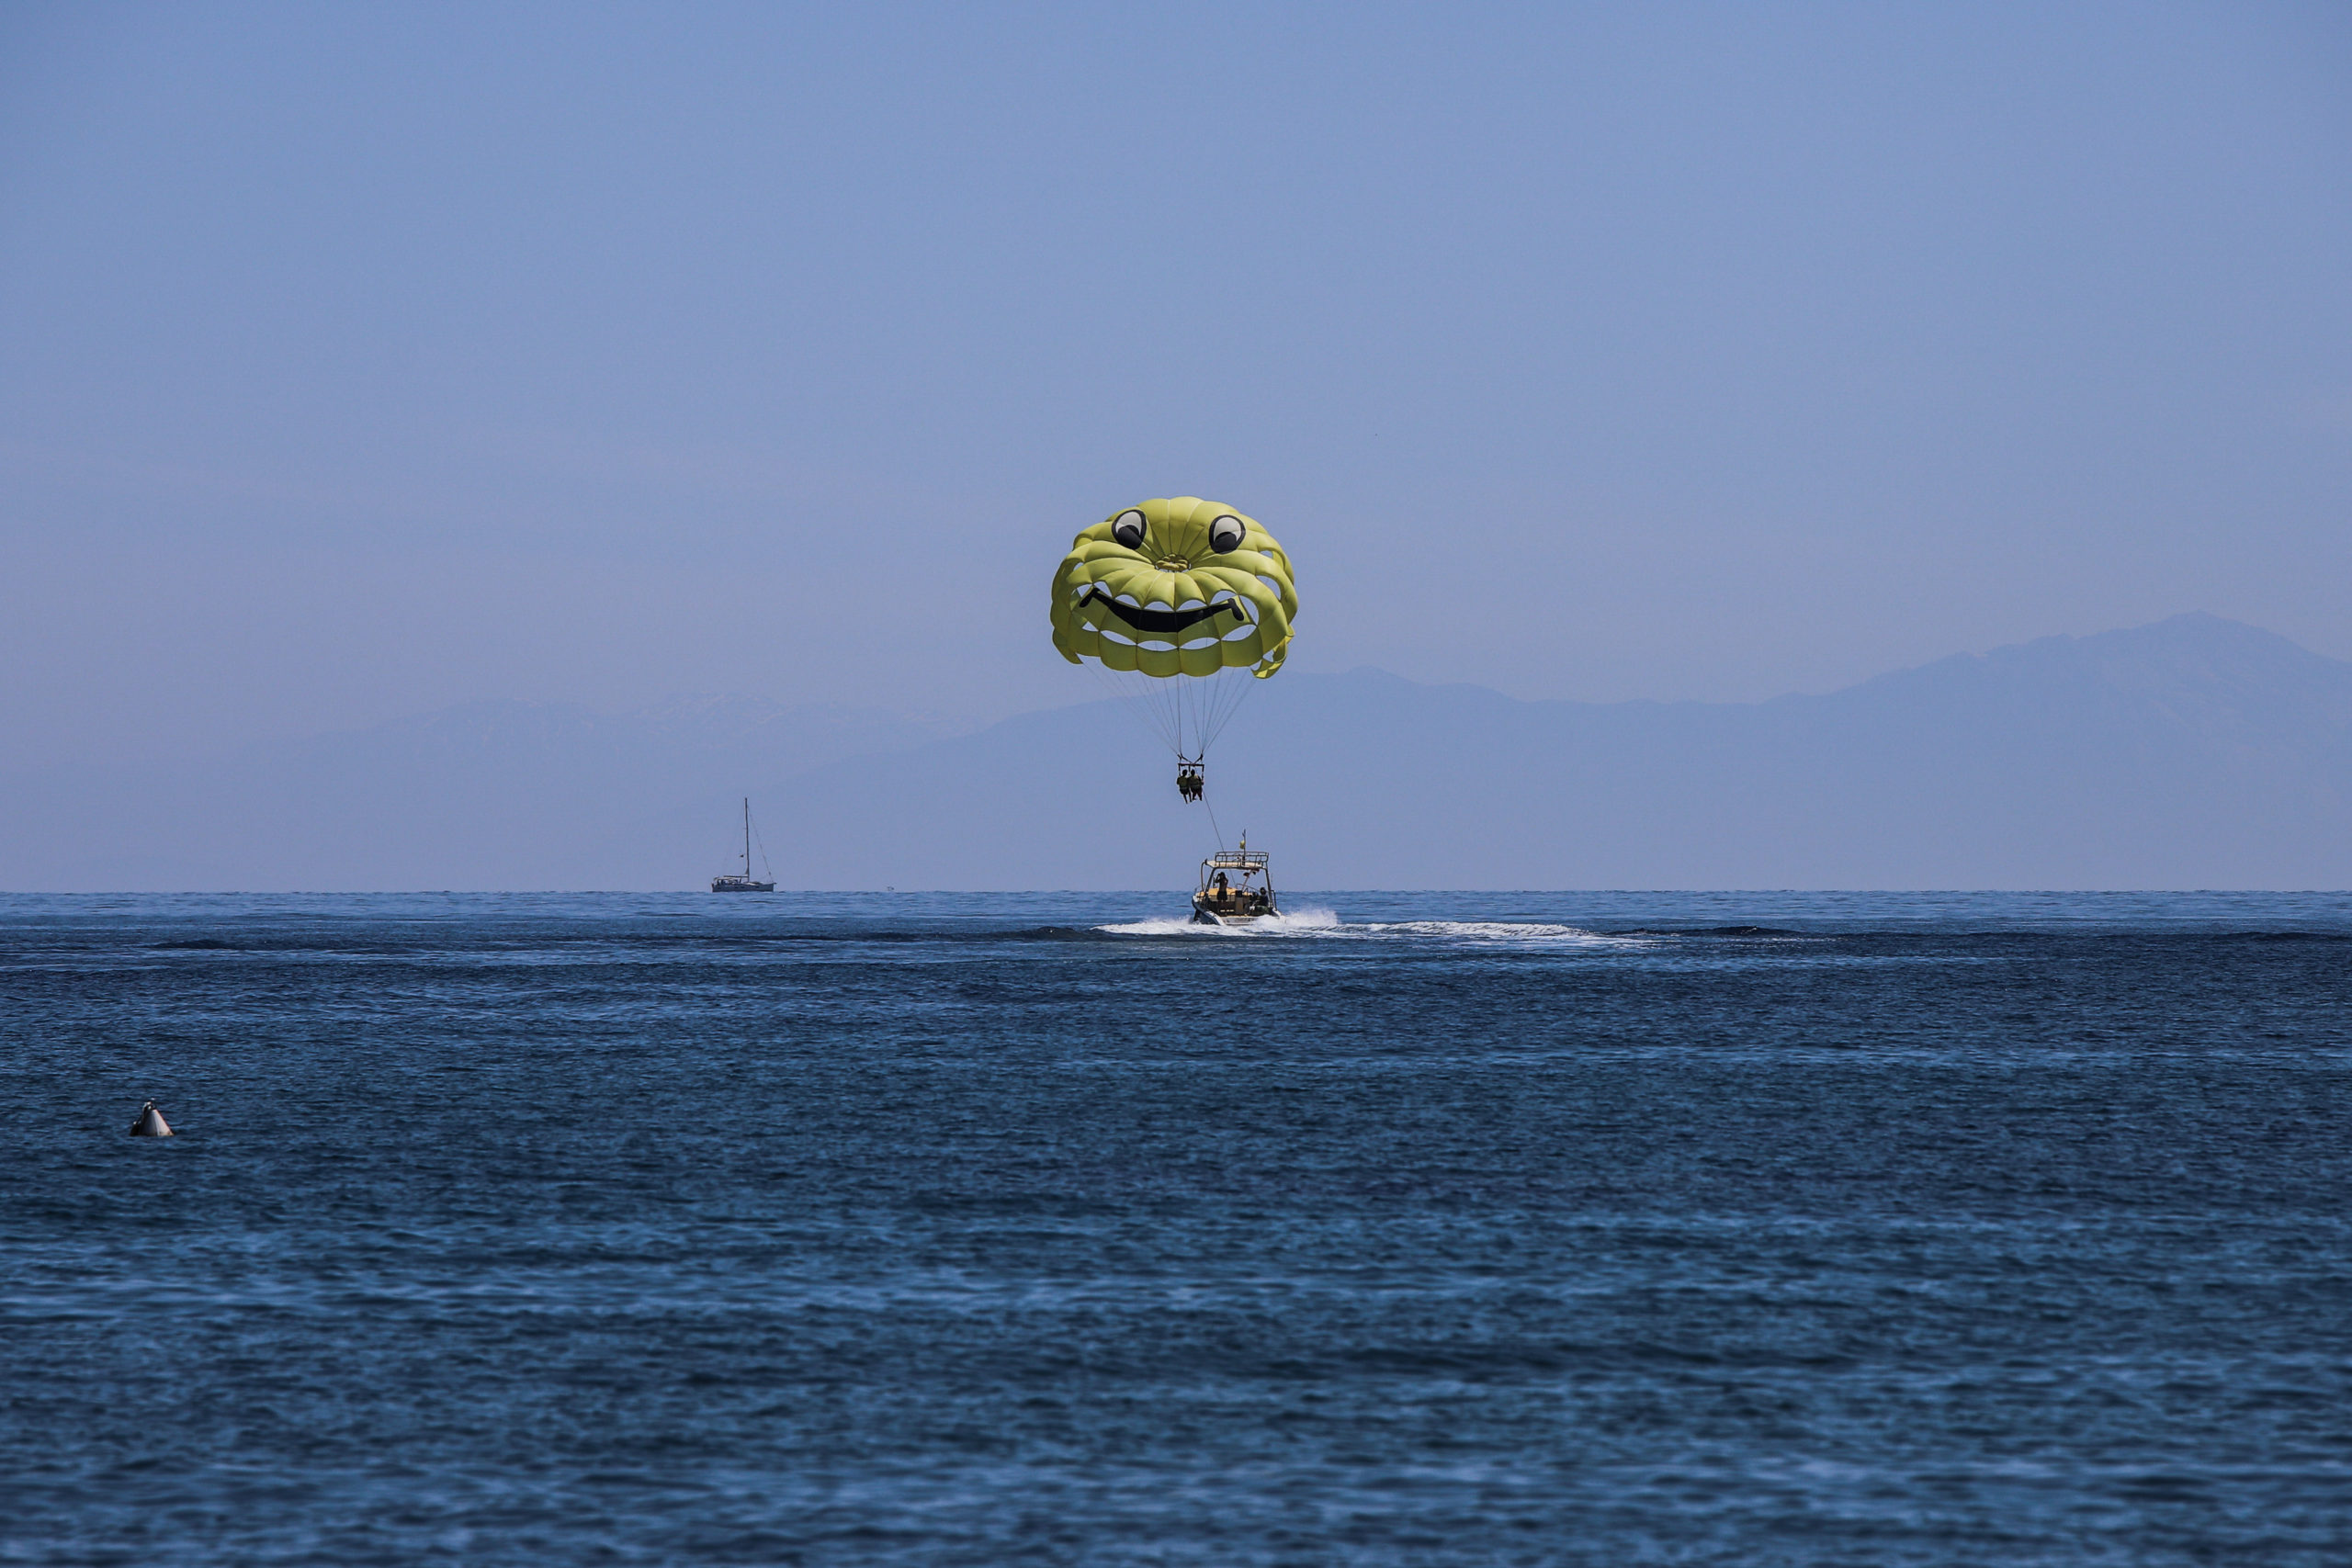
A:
[1431,1228]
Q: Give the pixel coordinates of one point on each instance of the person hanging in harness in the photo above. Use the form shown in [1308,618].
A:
[1188,780]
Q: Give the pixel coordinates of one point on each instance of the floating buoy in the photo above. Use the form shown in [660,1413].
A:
[151,1123]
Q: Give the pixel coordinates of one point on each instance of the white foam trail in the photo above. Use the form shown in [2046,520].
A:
[1295,922]
[1326,924]
[1159,927]
[1524,933]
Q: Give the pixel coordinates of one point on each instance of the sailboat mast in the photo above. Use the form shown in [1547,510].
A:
[747,838]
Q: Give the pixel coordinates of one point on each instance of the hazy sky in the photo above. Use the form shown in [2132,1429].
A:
[356,361]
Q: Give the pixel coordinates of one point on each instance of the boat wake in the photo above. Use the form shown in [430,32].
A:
[1325,925]
[1301,923]
[1522,933]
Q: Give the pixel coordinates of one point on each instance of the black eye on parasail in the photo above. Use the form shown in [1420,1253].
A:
[1128,528]
[1224,534]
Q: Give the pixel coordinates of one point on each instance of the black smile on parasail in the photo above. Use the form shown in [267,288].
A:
[1165,622]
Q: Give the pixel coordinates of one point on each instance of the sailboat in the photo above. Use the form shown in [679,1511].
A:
[744,883]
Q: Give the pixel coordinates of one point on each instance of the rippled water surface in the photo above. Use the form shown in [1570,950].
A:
[1434,1228]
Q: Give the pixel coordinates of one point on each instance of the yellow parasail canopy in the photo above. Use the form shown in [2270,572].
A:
[1175,586]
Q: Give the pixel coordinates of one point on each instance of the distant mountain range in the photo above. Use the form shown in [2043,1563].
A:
[2195,753]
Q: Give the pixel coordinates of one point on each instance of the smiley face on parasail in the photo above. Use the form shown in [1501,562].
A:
[1175,588]
[1183,601]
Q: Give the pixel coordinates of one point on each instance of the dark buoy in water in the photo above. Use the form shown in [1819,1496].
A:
[151,1123]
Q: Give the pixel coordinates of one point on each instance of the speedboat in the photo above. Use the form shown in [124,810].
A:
[1236,888]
